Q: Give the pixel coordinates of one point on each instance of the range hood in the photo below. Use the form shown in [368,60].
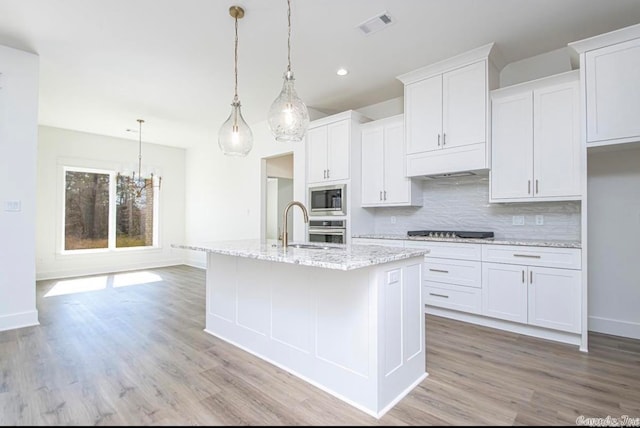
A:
[449,175]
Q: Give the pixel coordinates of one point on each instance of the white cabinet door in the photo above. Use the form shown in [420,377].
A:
[396,185]
[464,105]
[555,298]
[423,109]
[613,92]
[504,291]
[338,139]
[317,154]
[372,165]
[556,150]
[512,146]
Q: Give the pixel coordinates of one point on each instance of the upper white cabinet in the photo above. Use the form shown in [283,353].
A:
[328,147]
[446,114]
[535,140]
[384,182]
[610,64]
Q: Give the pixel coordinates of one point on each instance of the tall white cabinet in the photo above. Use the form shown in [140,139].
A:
[535,141]
[384,182]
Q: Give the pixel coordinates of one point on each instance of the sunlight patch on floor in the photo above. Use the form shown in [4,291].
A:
[95,283]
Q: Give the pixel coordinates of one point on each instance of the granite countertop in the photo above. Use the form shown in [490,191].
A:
[495,241]
[339,256]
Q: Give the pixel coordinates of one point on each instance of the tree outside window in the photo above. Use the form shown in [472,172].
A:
[102,211]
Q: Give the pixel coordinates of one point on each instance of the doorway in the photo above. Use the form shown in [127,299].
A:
[278,193]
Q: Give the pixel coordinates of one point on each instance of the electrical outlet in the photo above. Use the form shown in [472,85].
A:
[393,219]
[518,220]
[539,219]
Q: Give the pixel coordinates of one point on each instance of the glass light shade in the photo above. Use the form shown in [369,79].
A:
[235,137]
[288,115]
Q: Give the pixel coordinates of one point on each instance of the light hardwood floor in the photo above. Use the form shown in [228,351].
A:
[131,353]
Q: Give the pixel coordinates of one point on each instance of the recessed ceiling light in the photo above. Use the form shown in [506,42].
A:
[342,72]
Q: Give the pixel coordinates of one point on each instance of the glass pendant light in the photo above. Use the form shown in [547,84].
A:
[288,115]
[235,137]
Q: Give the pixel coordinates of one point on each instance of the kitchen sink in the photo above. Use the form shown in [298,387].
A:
[312,246]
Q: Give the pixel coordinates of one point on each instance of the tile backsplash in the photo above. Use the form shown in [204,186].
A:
[462,203]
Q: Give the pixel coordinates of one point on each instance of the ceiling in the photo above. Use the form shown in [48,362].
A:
[106,63]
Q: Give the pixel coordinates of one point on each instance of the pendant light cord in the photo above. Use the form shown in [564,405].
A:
[140,149]
[289,35]
[236,60]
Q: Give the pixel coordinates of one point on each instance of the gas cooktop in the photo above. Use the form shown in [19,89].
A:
[450,234]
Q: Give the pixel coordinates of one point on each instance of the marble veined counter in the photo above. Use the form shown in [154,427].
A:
[496,241]
[339,256]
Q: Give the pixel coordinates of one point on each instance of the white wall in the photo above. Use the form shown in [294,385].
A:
[18,140]
[60,147]
[225,194]
[614,242]
[535,67]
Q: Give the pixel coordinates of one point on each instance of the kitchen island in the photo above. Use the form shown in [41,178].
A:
[346,318]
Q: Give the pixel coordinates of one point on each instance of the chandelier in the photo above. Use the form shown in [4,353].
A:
[235,137]
[288,115]
[137,184]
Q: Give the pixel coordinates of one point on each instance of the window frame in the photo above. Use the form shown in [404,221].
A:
[111,237]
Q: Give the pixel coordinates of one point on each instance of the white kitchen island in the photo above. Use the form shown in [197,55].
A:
[348,319]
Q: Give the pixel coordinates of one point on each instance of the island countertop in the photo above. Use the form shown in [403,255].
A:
[339,256]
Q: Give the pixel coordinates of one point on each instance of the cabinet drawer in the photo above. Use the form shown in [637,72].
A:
[448,250]
[568,258]
[459,298]
[460,272]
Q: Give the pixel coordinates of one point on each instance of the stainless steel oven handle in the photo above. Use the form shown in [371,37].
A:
[326,232]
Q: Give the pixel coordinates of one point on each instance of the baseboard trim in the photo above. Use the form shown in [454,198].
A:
[614,327]
[100,270]
[19,320]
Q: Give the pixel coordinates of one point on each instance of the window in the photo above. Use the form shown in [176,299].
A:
[102,212]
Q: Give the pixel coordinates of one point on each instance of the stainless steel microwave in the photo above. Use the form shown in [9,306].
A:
[328,200]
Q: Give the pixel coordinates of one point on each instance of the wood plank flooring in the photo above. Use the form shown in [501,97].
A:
[132,353]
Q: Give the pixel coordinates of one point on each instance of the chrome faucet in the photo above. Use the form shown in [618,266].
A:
[285,234]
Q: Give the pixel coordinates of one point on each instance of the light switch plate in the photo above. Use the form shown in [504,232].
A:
[539,219]
[13,206]
[518,220]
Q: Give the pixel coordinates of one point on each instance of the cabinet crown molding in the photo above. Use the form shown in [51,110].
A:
[606,39]
[487,51]
[349,114]
[567,76]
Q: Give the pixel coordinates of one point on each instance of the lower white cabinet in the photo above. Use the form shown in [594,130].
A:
[504,291]
[540,296]
[555,298]
[536,286]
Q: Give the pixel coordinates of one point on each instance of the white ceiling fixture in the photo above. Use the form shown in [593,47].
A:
[377,23]
[235,137]
[342,71]
[288,115]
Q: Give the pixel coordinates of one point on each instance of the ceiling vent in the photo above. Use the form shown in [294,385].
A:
[376,23]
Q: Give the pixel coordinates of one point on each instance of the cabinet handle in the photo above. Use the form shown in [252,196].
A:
[385,195]
[531,256]
[523,276]
[438,140]
[530,277]
[439,295]
[444,139]
[439,270]
[528,187]
[328,173]
[536,186]
[381,195]
[324,173]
